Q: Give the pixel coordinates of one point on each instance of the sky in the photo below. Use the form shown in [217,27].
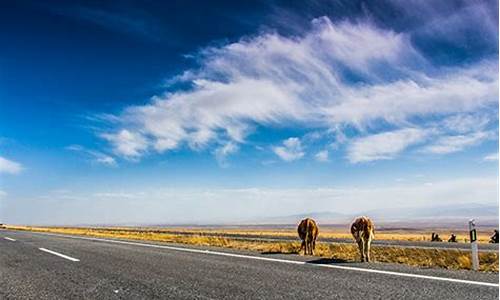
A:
[163,112]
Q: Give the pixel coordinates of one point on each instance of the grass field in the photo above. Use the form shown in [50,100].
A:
[336,232]
[442,258]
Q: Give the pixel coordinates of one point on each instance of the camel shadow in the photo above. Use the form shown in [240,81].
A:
[319,261]
[324,261]
[276,252]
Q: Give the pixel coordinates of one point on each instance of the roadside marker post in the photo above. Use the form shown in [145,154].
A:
[473,245]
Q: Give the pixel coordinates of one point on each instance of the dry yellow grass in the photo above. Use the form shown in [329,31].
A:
[391,235]
[450,259]
[399,235]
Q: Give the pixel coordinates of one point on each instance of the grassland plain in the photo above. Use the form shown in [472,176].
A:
[442,258]
[329,232]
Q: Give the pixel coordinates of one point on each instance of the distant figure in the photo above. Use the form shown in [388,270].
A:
[452,239]
[308,232]
[494,237]
[435,238]
[362,229]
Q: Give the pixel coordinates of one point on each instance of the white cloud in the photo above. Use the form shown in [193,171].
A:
[460,91]
[129,144]
[491,157]
[3,194]
[464,123]
[456,143]
[95,156]
[106,160]
[291,149]
[222,152]
[322,156]
[270,80]
[9,166]
[384,145]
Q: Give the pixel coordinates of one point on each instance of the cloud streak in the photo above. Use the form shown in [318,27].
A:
[491,157]
[9,166]
[384,145]
[456,143]
[271,80]
[128,21]
[224,151]
[95,156]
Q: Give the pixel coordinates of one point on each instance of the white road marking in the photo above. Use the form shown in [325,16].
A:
[9,239]
[374,244]
[357,269]
[59,254]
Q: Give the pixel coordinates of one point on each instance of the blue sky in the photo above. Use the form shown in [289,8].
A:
[149,112]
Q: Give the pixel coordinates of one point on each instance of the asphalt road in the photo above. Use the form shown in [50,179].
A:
[47,266]
[376,243]
[381,243]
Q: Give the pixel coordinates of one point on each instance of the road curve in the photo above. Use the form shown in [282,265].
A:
[90,268]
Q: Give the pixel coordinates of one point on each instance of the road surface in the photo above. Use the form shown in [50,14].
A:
[273,238]
[48,266]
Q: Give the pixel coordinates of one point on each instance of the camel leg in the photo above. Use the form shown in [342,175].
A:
[361,250]
[367,249]
[313,247]
[302,246]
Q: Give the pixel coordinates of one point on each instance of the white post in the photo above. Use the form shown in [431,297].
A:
[473,245]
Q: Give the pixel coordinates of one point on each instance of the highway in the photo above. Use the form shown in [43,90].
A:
[376,243]
[274,238]
[50,266]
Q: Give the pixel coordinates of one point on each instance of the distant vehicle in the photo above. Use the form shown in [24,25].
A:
[2,225]
[452,239]
[435,238]
[494,237]
[308,232]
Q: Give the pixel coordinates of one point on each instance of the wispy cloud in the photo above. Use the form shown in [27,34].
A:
[305,80]
[491,157]
[128,21]
[456,143]
[95,156]
[222,152]
[9,166]
[384,145]
[291,149]
[322,156]
[466,123]
[129,144]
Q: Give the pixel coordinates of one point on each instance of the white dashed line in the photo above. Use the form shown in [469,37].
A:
[59,254]
[9,239]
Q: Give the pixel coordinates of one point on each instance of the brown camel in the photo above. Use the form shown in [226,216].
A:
[308,232]
[362,229]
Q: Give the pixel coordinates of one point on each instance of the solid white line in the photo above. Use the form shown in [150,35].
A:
[281,260]
[59,254]
[9,239]
[374,244]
